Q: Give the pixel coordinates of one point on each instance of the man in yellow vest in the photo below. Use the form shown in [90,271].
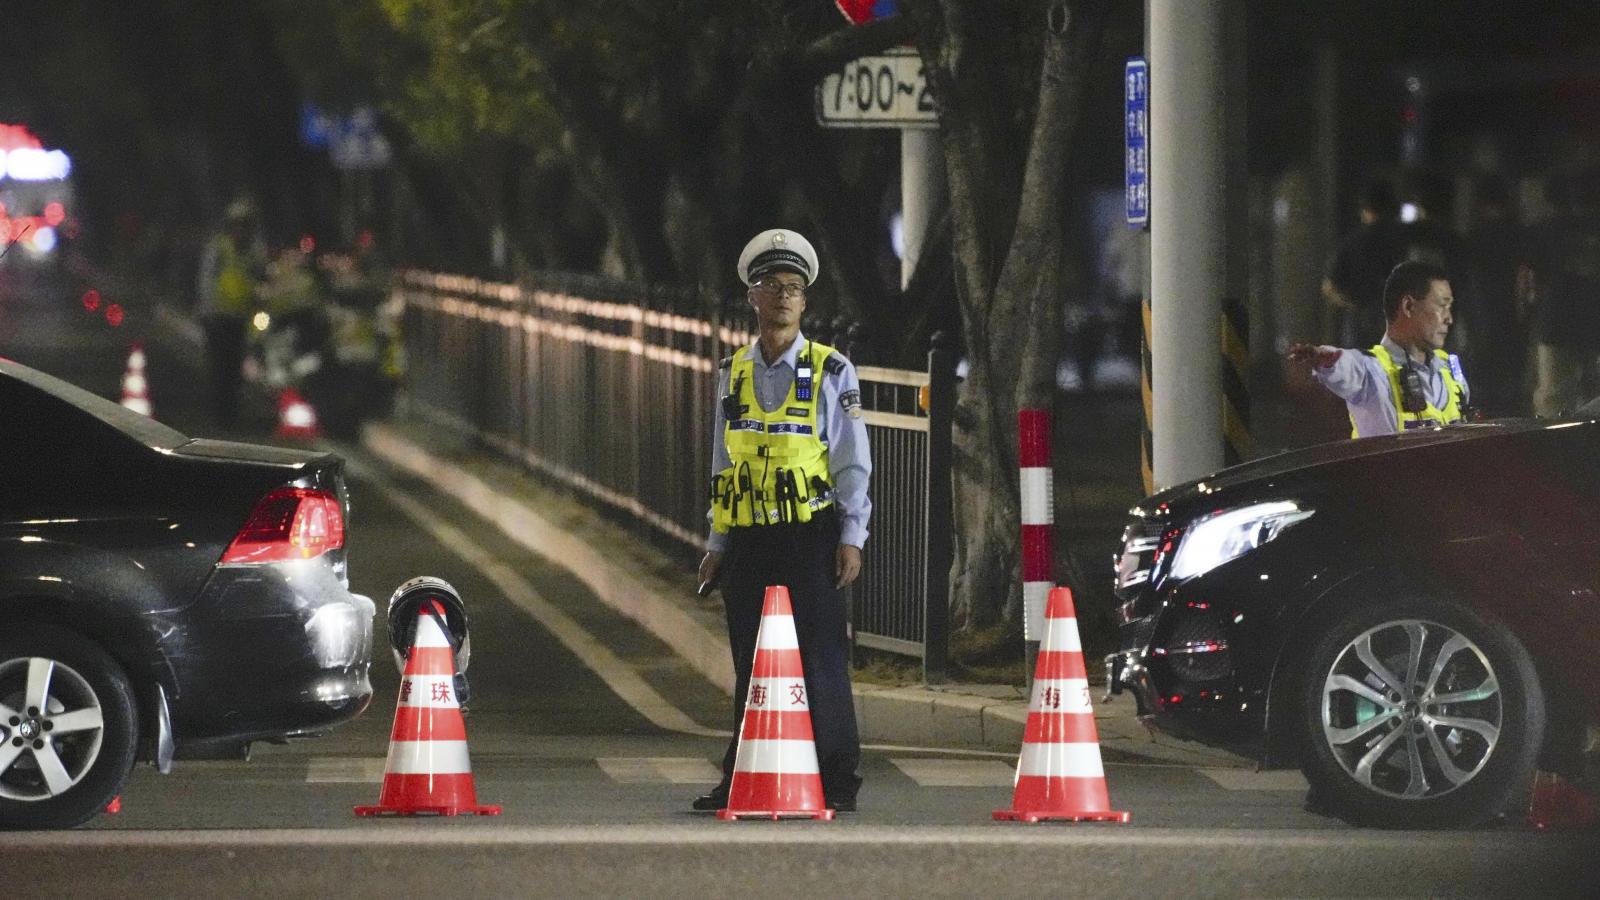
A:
[1407,380]
[789,503]
[231,268]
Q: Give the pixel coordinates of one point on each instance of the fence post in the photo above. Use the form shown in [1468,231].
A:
[938,522]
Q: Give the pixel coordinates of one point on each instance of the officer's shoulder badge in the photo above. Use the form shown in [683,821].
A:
[850,402]
[834,364]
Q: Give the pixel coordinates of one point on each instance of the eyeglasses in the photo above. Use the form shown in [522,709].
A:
[771,289]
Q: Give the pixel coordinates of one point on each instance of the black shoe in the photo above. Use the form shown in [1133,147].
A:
[710,802]
[842,804]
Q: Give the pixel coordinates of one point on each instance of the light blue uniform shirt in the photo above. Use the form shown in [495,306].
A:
[845,435]
[1359,380]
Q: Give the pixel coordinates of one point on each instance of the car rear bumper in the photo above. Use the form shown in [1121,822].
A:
[271,651]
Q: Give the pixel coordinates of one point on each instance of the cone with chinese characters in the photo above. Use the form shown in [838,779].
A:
[297,419]
[1059,775]
[1560,805]
[428,770]
[135,387]
[775,774]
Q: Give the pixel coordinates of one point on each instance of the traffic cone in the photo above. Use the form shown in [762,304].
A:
[428,770]
[775,772]
[1560,805]
[135,387]
[1059,775]
[297,419]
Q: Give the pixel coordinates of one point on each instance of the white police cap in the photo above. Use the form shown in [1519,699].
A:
[778,249]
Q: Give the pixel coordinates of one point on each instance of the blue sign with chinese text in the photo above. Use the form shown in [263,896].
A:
[1136,140]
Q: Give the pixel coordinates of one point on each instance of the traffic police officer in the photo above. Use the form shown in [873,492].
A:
[231,268]
[1406,380]
[789,501]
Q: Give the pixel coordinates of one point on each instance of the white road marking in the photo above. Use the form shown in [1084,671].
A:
[659,769]
[432,833]
[957,772]
[1247,780]
[616,673]
[344,770]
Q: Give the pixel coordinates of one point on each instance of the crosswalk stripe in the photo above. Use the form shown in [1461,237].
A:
[956,772]
[1247,780]
[658,769]
[344,769]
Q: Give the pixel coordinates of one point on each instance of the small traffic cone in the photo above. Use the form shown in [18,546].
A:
[775,774]
[428,770]
[1560,805]
[135,387]
[1059,774]
[297,419]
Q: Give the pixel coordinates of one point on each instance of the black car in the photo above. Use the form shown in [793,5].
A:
[1414,619]
[160,596]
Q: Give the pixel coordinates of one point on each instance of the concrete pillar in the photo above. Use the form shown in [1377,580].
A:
[1189,229]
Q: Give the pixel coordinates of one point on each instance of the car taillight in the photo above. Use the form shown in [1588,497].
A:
[289,523]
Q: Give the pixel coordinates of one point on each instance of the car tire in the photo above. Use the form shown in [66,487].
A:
[1419,713]
[90,764]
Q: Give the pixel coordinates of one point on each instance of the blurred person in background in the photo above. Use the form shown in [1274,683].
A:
[293,337]
[231,270]
[1494,327]
[1353,284]
[1563,288]
[1425,235]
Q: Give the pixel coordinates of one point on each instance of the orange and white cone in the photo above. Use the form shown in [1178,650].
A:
[428,770]
[135,387]
[297,419]
[1560,805]
[775,773]
[1059,774]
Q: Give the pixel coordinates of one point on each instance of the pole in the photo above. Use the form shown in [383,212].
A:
[1038,517]
[1188,235]
[921,191]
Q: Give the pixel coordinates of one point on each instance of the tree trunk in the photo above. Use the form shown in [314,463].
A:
[1007,240]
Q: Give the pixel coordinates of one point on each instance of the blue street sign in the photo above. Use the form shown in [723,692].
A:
[1136,140]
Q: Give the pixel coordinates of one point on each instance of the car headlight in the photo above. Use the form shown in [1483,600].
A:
[1213,540]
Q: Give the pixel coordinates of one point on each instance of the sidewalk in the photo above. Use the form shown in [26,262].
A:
[658,591]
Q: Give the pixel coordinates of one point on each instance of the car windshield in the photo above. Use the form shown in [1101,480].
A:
[141,428]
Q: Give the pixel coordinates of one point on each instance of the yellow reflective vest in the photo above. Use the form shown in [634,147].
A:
[1430,415]
[779,472]
[234,284]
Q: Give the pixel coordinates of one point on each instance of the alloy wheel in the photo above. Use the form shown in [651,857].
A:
[1412,709]
[51,728]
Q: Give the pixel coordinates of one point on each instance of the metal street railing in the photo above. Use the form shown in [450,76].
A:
[614,399]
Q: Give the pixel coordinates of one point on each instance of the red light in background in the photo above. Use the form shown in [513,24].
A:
[114,315]
[364,239]
[91,299]
[307,243]
[54,213]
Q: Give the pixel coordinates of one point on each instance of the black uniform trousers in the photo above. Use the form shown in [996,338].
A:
[799,556]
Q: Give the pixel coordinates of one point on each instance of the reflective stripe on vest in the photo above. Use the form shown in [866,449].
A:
[1430,415]
[779,471]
